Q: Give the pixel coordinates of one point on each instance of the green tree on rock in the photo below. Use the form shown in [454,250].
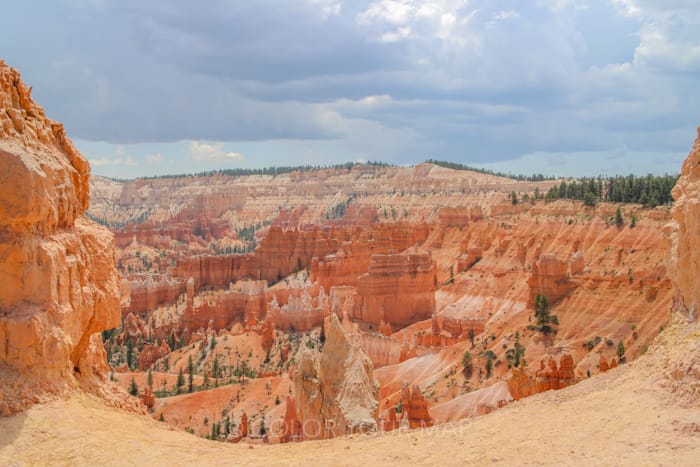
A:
[180,381]
[516,355]
[133,388]
[545,320]
[619,220]
[490,358]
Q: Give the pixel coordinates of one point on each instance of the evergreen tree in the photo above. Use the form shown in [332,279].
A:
[180,381]
[545,320]
[130,353]
[322,337]
[619,220]
[490,358]
[190,376]
[516,355]
[620,351]
[133,388]
[150,378]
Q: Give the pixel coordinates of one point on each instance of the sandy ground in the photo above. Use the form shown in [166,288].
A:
[633,415]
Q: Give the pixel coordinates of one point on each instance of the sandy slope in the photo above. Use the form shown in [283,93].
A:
[638,414]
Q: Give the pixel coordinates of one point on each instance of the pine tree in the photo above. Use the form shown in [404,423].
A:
[516,355]
[619,220]
[180,381]
[322,337]
[133,388]
[620,351]
[150,378]
[190,377]
[545,320]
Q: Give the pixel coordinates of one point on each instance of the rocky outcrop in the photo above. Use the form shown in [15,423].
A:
[336,393]
[151,353]
[291,427]
[520,385]
[414,408]
[553,376]
[59,284]
[147,294]
[549,376]
[397,289]
[684,236]
[550,277]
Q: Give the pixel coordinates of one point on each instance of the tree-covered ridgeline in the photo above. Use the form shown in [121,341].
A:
[650,190]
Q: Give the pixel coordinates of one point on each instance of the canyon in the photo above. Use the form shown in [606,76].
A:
[364,302]
[422,267]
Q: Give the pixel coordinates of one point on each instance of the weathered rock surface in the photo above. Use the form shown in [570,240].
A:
[59,284]
[397,289]
[684,236]
[335,389]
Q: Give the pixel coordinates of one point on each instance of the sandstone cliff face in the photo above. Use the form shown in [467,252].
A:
[59,284]
[335,389]
[397,289]
[684,235]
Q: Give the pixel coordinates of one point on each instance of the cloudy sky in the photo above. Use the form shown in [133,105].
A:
[566,87]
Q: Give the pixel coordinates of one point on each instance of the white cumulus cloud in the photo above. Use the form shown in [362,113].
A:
[208,152]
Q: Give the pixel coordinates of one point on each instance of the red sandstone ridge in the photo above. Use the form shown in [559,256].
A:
[59,284]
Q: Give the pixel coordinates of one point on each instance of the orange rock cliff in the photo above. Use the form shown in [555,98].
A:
[59,284]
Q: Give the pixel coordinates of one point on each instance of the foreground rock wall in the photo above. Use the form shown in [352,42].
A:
[59,284]
[684,236]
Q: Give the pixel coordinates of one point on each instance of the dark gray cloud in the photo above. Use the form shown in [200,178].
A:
[476,81]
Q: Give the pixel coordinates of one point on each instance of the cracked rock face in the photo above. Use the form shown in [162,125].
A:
[59,284]
[684,236]
[336,393]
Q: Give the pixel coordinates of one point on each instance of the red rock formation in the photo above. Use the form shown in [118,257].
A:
[246,301]
[397,289]
[550,278]
[134,329]
[147,294]
[150,353]
[268,335]
[520,385]
[469,258]
[147,398]
[385,329]
[551,376]
[414,408]
[59,284]
[243,426]
[291,427]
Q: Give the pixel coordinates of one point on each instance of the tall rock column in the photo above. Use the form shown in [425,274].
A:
[335,389]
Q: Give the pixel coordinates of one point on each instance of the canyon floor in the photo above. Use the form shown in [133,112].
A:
[642,413]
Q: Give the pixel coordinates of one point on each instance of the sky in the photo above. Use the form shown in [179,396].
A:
[560,87]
